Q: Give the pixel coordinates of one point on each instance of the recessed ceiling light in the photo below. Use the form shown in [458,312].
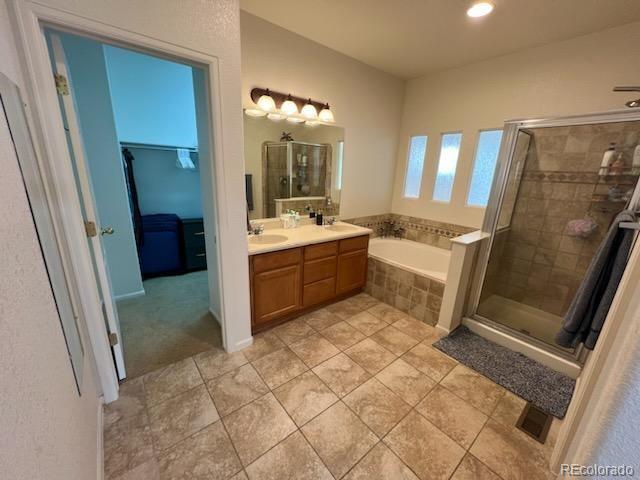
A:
[480,9]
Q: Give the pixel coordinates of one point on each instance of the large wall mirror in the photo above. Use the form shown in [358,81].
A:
[292,167]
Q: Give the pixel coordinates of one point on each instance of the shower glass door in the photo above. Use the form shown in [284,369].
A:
[557,203]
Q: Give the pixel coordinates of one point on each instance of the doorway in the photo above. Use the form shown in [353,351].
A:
[132,130]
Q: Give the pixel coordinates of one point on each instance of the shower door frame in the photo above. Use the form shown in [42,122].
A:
[491,217]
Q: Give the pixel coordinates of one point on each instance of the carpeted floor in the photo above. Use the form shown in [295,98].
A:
[547,389]
[169,323]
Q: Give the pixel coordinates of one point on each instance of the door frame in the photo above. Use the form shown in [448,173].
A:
[29,20]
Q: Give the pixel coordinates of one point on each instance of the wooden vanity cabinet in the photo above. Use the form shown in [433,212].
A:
[289,282]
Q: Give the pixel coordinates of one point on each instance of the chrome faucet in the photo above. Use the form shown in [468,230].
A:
[330,220]
[257,229]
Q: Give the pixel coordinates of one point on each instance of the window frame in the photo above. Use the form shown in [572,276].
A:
[473,165]
[406,167]
[437,166]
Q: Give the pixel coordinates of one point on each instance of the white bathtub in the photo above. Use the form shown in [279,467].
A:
[420,258]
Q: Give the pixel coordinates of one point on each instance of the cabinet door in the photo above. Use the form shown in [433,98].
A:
[352,271]
[276,293]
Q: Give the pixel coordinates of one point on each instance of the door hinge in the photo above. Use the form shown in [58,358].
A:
[113,339]
[62,86]
[90,228]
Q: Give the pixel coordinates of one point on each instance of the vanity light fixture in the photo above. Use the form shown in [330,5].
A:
[289,107]
[266,102]
[480,9]
[254,112]
[276,117]
[326,115]
[295,119]
[309,111]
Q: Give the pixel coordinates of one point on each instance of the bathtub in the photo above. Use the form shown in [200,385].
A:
[419,258]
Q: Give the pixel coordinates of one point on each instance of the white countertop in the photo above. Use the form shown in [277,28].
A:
[304,235]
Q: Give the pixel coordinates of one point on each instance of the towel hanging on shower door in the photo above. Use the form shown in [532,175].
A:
[585,317]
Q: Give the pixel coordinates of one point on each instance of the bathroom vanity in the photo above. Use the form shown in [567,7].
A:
[315,265]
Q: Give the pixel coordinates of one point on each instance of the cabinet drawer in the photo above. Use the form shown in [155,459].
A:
[196,258]
[318,292]
[355,243]
[320,250]
[319,269]
[270,261]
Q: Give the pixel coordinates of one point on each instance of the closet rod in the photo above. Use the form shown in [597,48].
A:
[151,146]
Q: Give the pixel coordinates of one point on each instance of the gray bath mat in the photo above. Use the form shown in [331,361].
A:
[547,389]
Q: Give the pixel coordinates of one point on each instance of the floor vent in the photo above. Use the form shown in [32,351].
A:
[534,422]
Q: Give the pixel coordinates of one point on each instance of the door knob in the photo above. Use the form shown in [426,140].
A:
[107,231]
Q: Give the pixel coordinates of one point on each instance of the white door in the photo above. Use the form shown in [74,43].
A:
[95,230]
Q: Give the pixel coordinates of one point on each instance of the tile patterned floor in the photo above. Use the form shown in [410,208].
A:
[353,391]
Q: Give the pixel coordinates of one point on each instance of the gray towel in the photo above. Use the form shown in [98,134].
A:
[590,306]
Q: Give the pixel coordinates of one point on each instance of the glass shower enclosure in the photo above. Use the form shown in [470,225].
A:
[558,186]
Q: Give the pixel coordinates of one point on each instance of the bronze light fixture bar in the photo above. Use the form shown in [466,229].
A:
[280,97]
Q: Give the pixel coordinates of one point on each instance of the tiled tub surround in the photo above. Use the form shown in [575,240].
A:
[437,234]
[536,262]
[353,391]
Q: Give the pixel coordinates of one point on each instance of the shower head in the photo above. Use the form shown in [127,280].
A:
[630,103]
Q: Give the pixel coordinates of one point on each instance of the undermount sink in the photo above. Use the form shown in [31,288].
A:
[340,228]
[267,239]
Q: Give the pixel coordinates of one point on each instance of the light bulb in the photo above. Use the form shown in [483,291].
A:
[289,107]
[309,111]
[254,112]
[480,9]
[266,102]
[326,115]
[276,117]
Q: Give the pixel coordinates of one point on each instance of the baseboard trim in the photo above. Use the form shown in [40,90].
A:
[127,296]
[100,442]
[244,343]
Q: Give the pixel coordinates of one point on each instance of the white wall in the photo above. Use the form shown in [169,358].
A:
[570,77]
[365,101]
[47,431]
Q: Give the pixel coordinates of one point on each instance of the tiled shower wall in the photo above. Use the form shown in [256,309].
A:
[437,234]
[536,262]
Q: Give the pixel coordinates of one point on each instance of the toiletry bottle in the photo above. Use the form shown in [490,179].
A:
[319,218]
[617,167]
[312,213]
[607,159]
[635,164]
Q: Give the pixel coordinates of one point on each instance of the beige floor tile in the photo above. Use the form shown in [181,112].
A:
[214,363]
[148,470]
[207,454]
[552,436]
[476,389]
[130,402]
[394,340]
[510,453]
[279,367]
[429,361]
[293,331]
[292,458]
[407,382]
[340,438]
[363,301]
[387,313]
[370,355]
[508,410]
[127,444]
[170,381]
[455,417]
[321,319]
[380,464]
[366,323]
[314,350]
[414,328]
[344,309]
[304,397]
[473,469]
[179,417]
[240,476]
[377,406]
[237,388]
[263,344]
[342,335]
[341,374]
[257,427]
[424,448]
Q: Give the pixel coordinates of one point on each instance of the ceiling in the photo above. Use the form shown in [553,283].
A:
[410,38]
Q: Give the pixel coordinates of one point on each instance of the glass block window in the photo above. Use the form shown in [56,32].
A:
[415,164]
[449,152]
[484,166]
